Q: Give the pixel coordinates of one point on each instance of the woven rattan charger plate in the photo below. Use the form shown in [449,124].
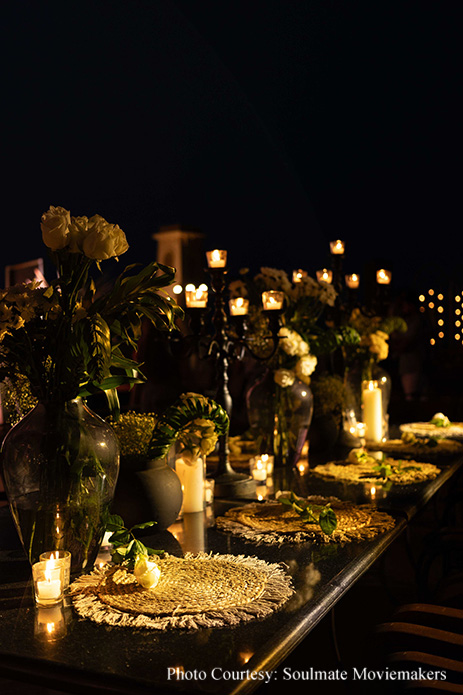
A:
[364,472]
[271,523]
[194,591]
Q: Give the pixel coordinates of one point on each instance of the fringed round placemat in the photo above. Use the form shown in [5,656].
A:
[401,473]
[271,523]
[194,591]
[423,449]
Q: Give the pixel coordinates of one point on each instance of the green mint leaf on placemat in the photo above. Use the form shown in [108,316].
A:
[327,520]
[309,513]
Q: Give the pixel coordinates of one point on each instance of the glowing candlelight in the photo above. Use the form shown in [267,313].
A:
[57,558]
[353,281]
[372,401]
[239,306]
[273,300]
[216,258]
[383,277]
[298,275]
[48,582]
[325,275]
[191,476]
[337,247]
[196,298]
[258,469]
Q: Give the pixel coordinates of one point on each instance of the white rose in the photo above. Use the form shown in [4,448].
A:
[55,227]
[78,230]
[147,573]
[291,341]
[284,377]
[104,240]
[305,367]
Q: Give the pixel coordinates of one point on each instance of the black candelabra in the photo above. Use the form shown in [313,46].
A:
[222,338]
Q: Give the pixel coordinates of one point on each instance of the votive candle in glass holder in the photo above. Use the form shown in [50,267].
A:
[58,557]
[383,277]
[337,247]
[352,281]
[239,306]
[298,275]
[196,298]
[216,258]
[268,461]
[48,582]
[258,469]
[273,300]
[50,623]
[325,275]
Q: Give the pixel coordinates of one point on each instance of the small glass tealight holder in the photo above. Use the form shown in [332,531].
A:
[258,469]
[50,623]
[268,461]
[59,557]
[48,582]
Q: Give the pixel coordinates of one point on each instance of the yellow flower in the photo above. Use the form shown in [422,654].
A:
[55,227]
[104,240]
[284,377]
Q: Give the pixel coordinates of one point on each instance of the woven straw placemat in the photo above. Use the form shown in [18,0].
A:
[421,450]
[275,524]
[402,473]
[194,591]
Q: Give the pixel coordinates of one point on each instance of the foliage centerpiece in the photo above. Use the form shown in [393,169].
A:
[70,340]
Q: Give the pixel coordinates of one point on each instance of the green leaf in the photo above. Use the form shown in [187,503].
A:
[114,522]
[327,520]
[121,537]
[145,524]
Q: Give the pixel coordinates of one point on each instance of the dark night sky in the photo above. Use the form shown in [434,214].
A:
[271,125]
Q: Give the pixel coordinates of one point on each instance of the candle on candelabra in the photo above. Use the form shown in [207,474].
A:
[383,276]
[273,300]
[239,306]
[372,402]
[216,258]
[337,247]
[298,275]
[353,281]
[196,298]
[325,275]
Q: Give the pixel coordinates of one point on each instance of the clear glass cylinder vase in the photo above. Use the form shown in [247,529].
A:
[60,466]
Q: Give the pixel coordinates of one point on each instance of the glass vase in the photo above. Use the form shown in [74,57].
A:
[353,379]
[60,466]
[279,418]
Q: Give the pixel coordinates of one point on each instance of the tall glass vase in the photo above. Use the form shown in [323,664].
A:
[60,466]
[280,417]
[353,378]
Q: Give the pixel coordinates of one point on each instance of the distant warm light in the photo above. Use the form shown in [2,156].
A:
[458,312]
[457,336]
[431,292]
[421,297]
[383,277]
[457,323]
[457,298]
[216,258]
[196,298]
[203,287]
[298,275]
[239,306]
[431,305]
[422,309]
[325,275]
[440,297]
[440,309]
[441,322]
[432,341]
[177,289]
[273,300]
[352,281]
[441,334]
[190,287]
[337,247]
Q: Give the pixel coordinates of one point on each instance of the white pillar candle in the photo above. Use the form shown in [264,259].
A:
[372,410]
[192,479]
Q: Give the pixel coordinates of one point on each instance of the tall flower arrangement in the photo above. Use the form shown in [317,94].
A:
[68,339]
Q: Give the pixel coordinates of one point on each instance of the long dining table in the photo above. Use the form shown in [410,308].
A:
[232,660]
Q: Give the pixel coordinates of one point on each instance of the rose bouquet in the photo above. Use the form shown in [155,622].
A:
[65,342]
[68,339]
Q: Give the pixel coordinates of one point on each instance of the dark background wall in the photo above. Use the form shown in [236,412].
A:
[271,125]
